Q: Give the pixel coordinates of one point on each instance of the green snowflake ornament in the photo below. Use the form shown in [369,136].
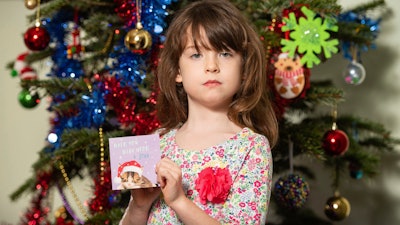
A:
[309,36]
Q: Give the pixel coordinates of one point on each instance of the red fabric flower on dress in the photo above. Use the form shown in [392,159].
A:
[213,185]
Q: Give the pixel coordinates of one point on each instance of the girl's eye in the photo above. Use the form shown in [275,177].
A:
[195,55]
[226,54]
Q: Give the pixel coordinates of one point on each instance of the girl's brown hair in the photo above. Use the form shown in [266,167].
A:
[225,28]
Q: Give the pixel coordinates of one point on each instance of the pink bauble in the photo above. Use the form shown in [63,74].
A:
[335,142]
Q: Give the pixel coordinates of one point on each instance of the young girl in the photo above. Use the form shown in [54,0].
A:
[218,124]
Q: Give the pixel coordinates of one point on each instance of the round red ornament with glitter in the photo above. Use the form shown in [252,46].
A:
[36,38]
[335,142]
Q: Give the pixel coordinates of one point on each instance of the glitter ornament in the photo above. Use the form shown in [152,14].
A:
[335,142]
[36,38]
[354,73]
[337,208]
[291,191]
[27,99]
[31,4]
[138,40]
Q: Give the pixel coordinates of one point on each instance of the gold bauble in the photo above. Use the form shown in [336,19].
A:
[31,4]
[337,208]
[138,40]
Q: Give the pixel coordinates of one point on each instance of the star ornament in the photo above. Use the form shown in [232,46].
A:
[309,37]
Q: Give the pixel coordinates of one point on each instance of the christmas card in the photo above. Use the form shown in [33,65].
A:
[133,160]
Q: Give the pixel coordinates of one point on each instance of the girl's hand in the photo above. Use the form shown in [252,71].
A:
[169,176]
[143,198]
[139,206]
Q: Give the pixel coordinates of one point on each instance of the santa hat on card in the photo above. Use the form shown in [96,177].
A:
[130,166]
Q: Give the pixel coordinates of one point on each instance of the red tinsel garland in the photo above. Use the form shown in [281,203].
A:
[121,99]
[37,214]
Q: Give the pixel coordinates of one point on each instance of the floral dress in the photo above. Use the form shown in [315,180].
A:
[247,155]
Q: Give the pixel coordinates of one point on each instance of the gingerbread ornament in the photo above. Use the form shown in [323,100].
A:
[289,79]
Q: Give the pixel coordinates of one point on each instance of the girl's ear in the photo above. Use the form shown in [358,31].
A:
[178,78]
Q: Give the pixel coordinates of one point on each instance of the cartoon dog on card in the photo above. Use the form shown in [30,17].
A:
[130,176]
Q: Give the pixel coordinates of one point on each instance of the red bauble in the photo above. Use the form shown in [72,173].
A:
[36,38]
[335,142]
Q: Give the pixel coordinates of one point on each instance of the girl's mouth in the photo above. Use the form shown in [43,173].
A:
[212,83]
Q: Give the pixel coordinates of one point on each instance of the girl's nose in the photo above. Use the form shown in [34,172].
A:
[212,65]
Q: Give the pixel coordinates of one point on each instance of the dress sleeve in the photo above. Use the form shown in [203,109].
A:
[251,190]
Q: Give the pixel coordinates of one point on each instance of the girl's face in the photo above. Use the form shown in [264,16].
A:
[210,78]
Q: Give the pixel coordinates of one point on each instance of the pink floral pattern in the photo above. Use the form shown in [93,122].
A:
[248,157]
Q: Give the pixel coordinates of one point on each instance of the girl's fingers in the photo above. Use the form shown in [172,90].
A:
[164,176]
[166,164]
[167,170]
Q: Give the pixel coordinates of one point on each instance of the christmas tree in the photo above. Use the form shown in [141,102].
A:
[102,57]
